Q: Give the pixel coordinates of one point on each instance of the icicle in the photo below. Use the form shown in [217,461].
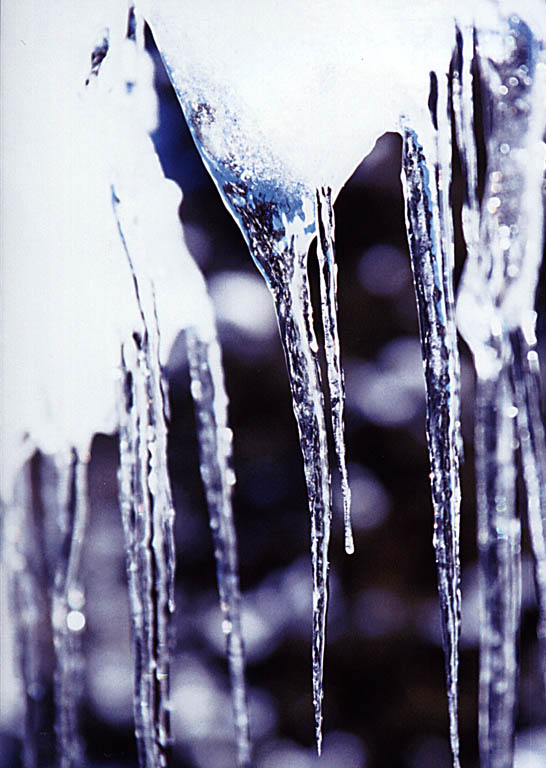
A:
[494,306]
[278,230]
[499,550]
[532,444]
[67,604]
[328,292]
[426,177]
[278,219]
[282,257]
[49,517]
[215,438]
[29,579]
[268,150]
[148,521]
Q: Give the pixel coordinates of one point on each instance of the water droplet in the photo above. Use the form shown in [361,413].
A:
[493,204]
[196,389]
[76,598]
[75,621]
[227,626]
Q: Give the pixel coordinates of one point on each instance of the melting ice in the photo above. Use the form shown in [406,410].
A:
[265,125]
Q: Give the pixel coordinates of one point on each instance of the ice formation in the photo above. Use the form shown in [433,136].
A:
[258,131]
[496,317]
[98,283]
[265,125]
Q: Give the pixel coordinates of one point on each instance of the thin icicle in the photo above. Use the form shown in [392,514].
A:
[292,303]
[68,601]
[148,520]
[532,444]
[431,250]
[328,292]
[29,578]
[215,440]
[500,587]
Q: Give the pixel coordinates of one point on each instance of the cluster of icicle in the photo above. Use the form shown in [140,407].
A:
[265,125]
[98,283]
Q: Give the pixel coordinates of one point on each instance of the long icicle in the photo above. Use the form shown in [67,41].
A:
[68,619]
[215,441]
[148,519]
[278,226]
[328,293]
[294,316]
[432,265]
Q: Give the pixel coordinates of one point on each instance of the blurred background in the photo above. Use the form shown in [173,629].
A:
[385,703]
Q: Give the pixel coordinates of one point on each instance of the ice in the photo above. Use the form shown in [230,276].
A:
[67,608]
[532,445]
[94,316]
[29,579]
[251,121]
[148,519]
[244,100]
[495,315]
[285,271]
[328,293]
[256,127]
[426,174]
[82,295]
[215,438]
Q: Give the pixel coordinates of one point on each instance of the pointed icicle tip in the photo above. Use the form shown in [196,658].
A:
[349,540]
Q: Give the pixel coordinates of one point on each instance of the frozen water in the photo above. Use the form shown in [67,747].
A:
[265,125]
[328,293]
[67,604]
[215,438]
[426,170]
[495,315]
[237,91]
[93,298]
[148,517]
[256,127]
